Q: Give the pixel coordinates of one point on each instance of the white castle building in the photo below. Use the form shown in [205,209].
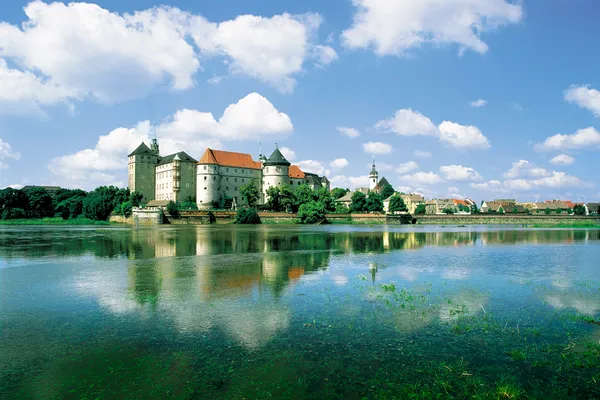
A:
[219,174]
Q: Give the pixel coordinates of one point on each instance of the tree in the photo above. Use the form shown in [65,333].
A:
[12,198]
[474,209]
[421,209]
[71,207]
[303,194]
[286,198]
[359,202]
[374,203]
[448,211]
[338,193]
[98,205]
[251,193]
[247,216]
[323,196]
[274,199]
[312,212]
[172,209]
[188,204]
[40,203]
[211,218]
[387,191]
[126,209]
[547,211]
[136,199]
[397,205]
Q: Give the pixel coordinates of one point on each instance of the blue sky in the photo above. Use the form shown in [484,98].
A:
[81,85]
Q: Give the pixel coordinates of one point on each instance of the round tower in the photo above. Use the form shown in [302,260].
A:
[276,170]
[373,177]
[208,180]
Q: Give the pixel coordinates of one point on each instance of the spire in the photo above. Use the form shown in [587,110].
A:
[154,146]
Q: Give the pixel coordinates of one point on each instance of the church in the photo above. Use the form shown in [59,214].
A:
[218,174]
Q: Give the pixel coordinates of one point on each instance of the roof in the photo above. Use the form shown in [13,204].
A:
[373,170]
[461,202]
[229,159]
[495,205]
[158,203]
[183,157]
[382,183]
[141,149]
[345,198]
[593,207]
[276,159]
[296,172]
[48,188]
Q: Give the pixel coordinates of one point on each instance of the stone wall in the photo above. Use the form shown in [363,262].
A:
[504,219]
[146,217]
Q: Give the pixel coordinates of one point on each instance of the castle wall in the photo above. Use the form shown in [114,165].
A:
[142,177]
[166,182]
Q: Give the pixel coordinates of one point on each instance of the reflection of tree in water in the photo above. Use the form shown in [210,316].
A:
[145,282]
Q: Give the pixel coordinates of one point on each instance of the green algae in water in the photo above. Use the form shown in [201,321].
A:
[312,313]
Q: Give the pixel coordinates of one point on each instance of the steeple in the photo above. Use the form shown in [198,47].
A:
[154,145]
[373,176]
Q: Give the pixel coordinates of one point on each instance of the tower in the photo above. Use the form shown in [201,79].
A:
[142,171]
[208,181]
[176,175]
[373,177]
[276,171]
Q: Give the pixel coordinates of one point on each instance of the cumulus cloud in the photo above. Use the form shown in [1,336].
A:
[64,53]
[459,173]
[393,27]
[493,185]
[525,168]
[339,163]
[351,182]
[407,167]
[288,153]
[350,132]
[562,159]
[252,117]
[377,148]
[587,138]
[408,123]
[556,180]
[316,167]
[584,97]
[462,137]
[422,154]
[478,103]
[422,178]
[6,152]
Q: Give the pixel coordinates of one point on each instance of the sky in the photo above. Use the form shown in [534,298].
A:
[464,98]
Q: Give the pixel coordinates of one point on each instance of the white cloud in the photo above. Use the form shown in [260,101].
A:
[316,167]
[422,154]
[16,186]
[377,148]
[71,52]
[478,103]
[408,123]
[422,178]
[393,27]
[191,131]
[584,97]
[350,132]
[453,189]
[351,182]
[459,173]
[339,163]
[525,168]
[288,153]
[493,185]
[407,167]
[556,180]
[7,152]
[562,159]
[582,139]
[462,137]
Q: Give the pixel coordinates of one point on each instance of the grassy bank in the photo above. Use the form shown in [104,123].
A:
[569,224]
[53,221]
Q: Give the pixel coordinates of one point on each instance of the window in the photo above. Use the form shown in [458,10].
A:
[205,167]
[204,178]
[227,188]
[236,179]
[204,188]
[214,178]
[227,179]
[227,169]
[243,171]
[236,188]
[235,170]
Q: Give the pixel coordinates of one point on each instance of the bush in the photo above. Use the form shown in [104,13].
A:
[97,206]
[312,213]
[359,202]
[247,216]
[172,209]
[579,210]
[397,205]
[126,209]
[211,217]
[14,213]
[421,209]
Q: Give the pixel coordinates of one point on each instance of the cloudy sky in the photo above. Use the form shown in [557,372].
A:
[476,98]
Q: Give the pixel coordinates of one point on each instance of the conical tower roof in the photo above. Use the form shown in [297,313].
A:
[277,159]
[141,149]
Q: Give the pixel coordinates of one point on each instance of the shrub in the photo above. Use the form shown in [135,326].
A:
[172,209]
[211,217]
[421,209]
[247,216]
[311,213]
[14,213]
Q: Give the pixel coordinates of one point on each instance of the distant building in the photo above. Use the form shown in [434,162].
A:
[592,209]
[52,190]
[345,200]
[375,184]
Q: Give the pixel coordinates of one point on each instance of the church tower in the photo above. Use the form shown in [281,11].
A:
[373,177]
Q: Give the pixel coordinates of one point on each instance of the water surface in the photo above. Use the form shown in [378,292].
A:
[299,312]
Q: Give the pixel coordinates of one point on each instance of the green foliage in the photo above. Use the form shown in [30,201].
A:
[211,218]
[397,205]
[547,211]
[247,216]
[14,213]
[359,202]
[225,203]
[474,209]
[312,212]
[63,194]
[126,209]
[40,203]
[135,199]
[448,211]
[274,199]
[341,209]
[387,191]
[172,209]
[337,193]
[12,198]
[464,208]
[71,205]
[188,204]
[251,193]
[374,203]
[287,199]
[323,196]
[99,204]
[421,209]
[303,194]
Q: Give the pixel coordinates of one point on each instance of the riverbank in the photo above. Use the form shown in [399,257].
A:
[53,221]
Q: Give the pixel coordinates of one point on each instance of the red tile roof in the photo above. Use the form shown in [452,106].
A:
[229,159]
[296,172]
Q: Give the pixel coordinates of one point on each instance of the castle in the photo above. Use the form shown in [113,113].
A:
[219,174]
